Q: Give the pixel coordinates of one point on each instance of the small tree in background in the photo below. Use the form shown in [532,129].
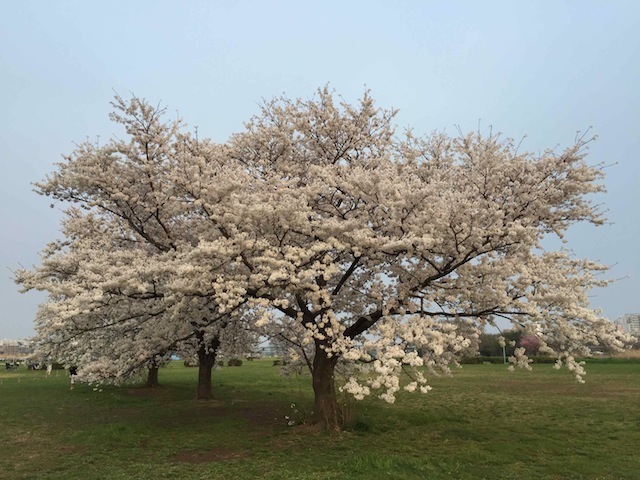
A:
[530,343]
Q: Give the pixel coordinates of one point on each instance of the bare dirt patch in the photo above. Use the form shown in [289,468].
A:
[65,449]
[218,454]
[145,391]
[253,414]
[259,416]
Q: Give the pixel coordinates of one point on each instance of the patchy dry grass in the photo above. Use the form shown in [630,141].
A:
[484,422]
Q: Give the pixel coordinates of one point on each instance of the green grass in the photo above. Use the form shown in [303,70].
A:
[483,422]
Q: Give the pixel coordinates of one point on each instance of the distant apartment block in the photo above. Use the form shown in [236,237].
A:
[630,323]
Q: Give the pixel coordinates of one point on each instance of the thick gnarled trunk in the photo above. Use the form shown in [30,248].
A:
[207,352]
[326,410]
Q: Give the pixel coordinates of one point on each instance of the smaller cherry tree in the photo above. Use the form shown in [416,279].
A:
[117,298]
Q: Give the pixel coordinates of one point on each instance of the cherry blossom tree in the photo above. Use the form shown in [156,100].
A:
[377,247]
[530,343]
[387,252]
[116,303]
[101,314]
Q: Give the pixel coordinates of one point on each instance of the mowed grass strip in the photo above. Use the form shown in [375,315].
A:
[483,422]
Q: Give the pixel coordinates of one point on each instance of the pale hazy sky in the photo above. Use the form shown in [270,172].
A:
[544,69]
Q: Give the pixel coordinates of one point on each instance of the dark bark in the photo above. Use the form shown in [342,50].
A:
[326,410]
[152,376]
[207,352]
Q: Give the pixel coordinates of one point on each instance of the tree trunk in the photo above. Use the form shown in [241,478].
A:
[326,409]
[207,353]
[152,376]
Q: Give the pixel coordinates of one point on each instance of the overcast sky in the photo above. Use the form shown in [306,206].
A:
[543,69]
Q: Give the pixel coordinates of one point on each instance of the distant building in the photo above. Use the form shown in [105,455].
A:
[630,323]
[14,348]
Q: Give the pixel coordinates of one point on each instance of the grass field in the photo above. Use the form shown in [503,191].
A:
[483,422]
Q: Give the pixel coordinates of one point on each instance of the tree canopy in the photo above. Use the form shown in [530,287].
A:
[322,226]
